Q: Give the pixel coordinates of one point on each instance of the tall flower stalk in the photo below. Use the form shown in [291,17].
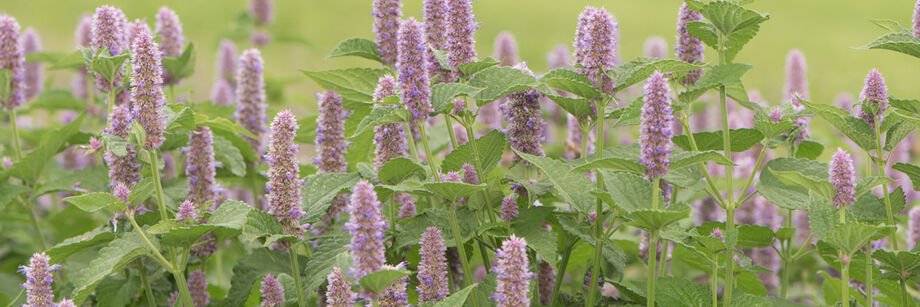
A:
[843,177]
[13,59]
[387,14]
[109,31]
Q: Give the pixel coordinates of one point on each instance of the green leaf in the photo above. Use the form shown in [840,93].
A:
[359,47]
[117,290]
[864,185]
[499,81]
[768,128]
[455,299]
[491,146]
[632,114]
[354,84]
[453,191]
[742,140]
[903,42]
[578,107]
[30,167]
[229,156]
[749,283]
[704,31]
[738,24]
[92,202]
[789,196]
[850,237]
[809,150]
[719,75]
[260,224]
[655,220]
[109,259]
[630,192]
[108,66]
[61,251]
[571,187]
[820,186]
[229,218]
[753,236]
[677,292]
[57,99]
[5,88]
[378,280]
[332,251]
[912,172]
[616,164]
[897,261]
[221,123]
[443,94]
[306,130]
[320,189]
[182,66]
[396,170]
[9,191]
[470,68]
[822,216]
[683,159]
[57,60]
[615,256]
[528,225]
[250,270]
[910,107]
[379,116]
[641,68]
[441,57]
[854,128]
[568,80]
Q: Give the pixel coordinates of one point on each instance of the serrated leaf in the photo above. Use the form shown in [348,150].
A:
[30,167]
[738,24]
[654,220]
[788,196]
[753,236]
[897,261]
[908,106]
[359,47]
[578,107]
[616,164]
[117,291]
[570,187]
[528,226]
[854,128]
[719,75]
[676,291]
[9,191]
[379,116]
[689,158]
[109,259]
[896,132]
[639,69]
[499,81]
[222,124]
[630,192]
[632,114]
[92,202]
[59,252]
[491,146]
[819,186]
[443,94]
[568,80]
[252,268]
[470,68]
[742,140]
[455,299]
[260,224]
[183,118]
[768,128]
[849,238]
[864,185]
[108,66]
[453,191]
[809,150]
[396,170]
[378,280]
[912,172]
[320,189]
[354,84]
[903,42]
[229,156]
[182,66]
[704,31]
[332,251]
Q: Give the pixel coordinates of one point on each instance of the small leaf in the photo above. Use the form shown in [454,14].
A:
[752,236]
[491,146]
[229,156]
[897,261]
[396,170]
[443,94]
[742,140]
[849,238]
[499,81]
[182,66]
[378,280]
[821,187]
[864,185]
[738,24]
[632,114]
[809,150]
[719,75]
[641,68]
[453,191]
[912,172]
[359,47]
[455,299]
[655,220]
[578,107]
[354,84]
[568,80]
[108,66]
[855,129]
[470,68]
[379,116]
[571,187]
[92,202]
[789,196]
[9,191]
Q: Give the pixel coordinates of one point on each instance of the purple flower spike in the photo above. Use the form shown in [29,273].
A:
[916,19]
[223,94]
[913,227]
[12,58]
[796,81]
[198,287]
[395,295]
[776,115]
[412,64]
[509,208]
[655,139]
[262,10]
[451,177]
[138,26]
[874,94]
[272,292]
[717,233]
[512,275]
[39,277]
[460,133]
[546,280]
[436,32]
[33,79]
[338,292]
[122,169]
[843,177]
[432,270]
[559,57]
[460,27]
[525,120]
[121,191]
[200,167]
[284,174]
[226,62]
[655,47]
[595,46]
[330,134]
[390,138]
[109,31]
[66,303]
[506,49]
[689,48]
[187,212]
[250,90]
[387,14]
[366,226]
[84,39]
[147,88]
[169,29]
[407,209]
[469,174]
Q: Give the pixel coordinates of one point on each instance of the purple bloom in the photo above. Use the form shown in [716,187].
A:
[84,39]
[147,88]
[109,26]
[387,14]
[512,275]
[469,174]
[559,57]
[506,49]
[121,191]
[843,177]
[261,38]
[916,19]
[655,47]
[187,212]
[39,277]
[66,303]
[595,46]
[171,40]
[525,120]
[460,133]
[12,58]
[330,134]
[395,295]
[412,64]
[338,292]
[717,233]
[436,32]
[546,280]
[198,286]
[366,226]
[509,208]
[250,92]
[133,28]
[689,48]
[460,27]
[227,62]
[284,174]
[776,115]
[223,93]
[272,292]
[913,227]
[874,94]
[390,138]
[32,78]
[490,115]
[655,139]
[200,167]
[451,177]
[574,140]
[407,209]
[796,81]
[262,10]
[844,101]
[122,169]
[432,270]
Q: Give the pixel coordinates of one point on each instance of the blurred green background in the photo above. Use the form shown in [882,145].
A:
[827,31]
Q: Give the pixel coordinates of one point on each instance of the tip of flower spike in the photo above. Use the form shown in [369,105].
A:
[386,86]
[843,177]
[716,233]
[776,115]
[655,47]
[187,212]
[121,191]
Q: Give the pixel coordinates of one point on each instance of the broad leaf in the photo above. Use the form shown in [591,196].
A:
[903,42]
[30,167]
[250,269]
[109,259]
[320,189]
[654,220]
[491,146]
[819,186]
[471,68]
[571,187]
[453,191]
[568,80]
[741,140]
[897,261]
[784,195]
[849,238]
[395,171]
[92,202]
[683,159]
[641,68]
[61,251]
[912,172]
[359,47]
[720,75]
[499,81]
[182,66]
[354,84]
[676,291]
[443,94]
[229,156]
[854,128]
[738,24]
[380,116]
[378,280]
[616,164]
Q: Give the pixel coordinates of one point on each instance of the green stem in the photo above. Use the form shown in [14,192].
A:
[845,283]
[142,271]
[560,271]
[729,207]
[254,185]
[431,164]
[715,282]
[787,244]
[155,171]
[663,259]
[91,92]
[905,301]
[298,280]
[881,172]
[110,98]
[156,252]
[485,257]
[17,148]
[183,289]
[584,140]
[458,240]
[38,231]
[598,210]
[750,180]
[450,132]
[410,138]
[709,182]
[869,287]
[652,251]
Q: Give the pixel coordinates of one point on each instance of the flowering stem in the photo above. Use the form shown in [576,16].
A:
[869,274]
[17,148]
[881,172]
[111,101]
[424,136]
[169,266]
[599,209]
[845,282]
[584,140]
[450,131]
[142,271]
[298,281]
[652,251]
[155,171]
[458,240]
[730,206]
[715,282]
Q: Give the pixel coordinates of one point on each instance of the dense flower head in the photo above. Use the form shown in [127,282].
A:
[122,169]
[490,116]
[83,35]
[843,177]
[546,280]
[389,138]
[272,292]
[109,25]
[147,88]
[366,226]
[39,277]
[874,94]
[330,134]
[461,23]
[512,274]
[12,58]
[412,64]
[198,287]
[284,174]
[655,139]
[407,208]
[525,120]
[796,81]
[913,227]
[469,174]
[655,47]
[338,292]
[262,10]
[776,115]
[121,191]
[387,14]
[451,177]
[916,19]
[169,29]
[66,303]
[223,93]
[250,92]
[187,212]
[559,57]
[199,167]
[595,46]
[689,48]
[506,49]
[395,294]
[227,62]
[509,208]
[32,78]
[432,270]
[135,27]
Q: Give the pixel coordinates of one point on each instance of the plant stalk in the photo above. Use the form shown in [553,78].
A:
[881,172]
[298,280]
[458,240]
[905,300]
[17,148]
[428,155]
[155,171]
[715,282]
[142,271]
[560,272]
[599,209]
[410,139]
[652,251]
[450,132]
[869,287]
